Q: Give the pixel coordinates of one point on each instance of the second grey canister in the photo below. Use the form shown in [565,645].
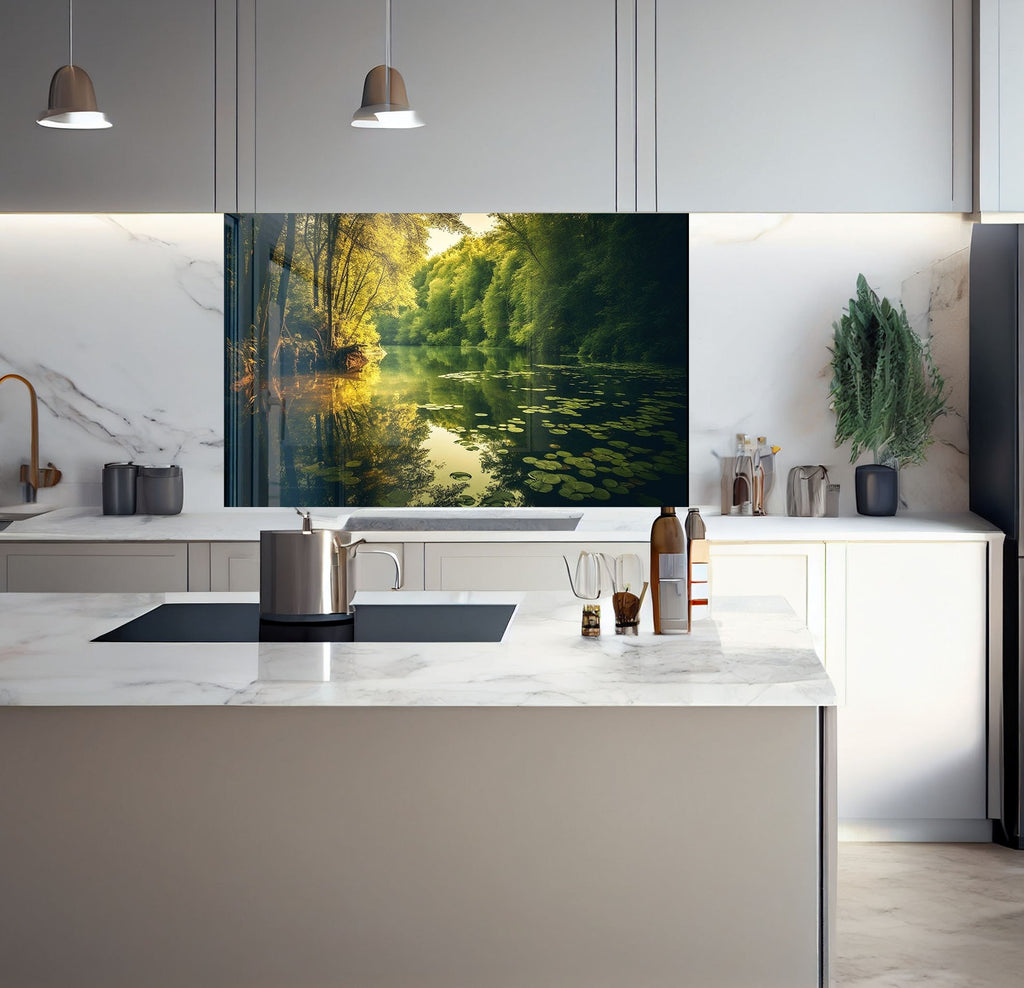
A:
[119,480]
[159,491]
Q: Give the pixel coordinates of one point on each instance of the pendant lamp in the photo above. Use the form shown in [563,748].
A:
[72,103]
[385,103]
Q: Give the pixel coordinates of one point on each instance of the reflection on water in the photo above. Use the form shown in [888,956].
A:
[450,426]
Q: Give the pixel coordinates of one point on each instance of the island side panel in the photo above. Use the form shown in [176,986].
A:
[583,847]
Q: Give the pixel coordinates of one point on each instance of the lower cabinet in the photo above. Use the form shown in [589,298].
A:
[912,747]
[512,565]
[794,571]
[94,567]
[235,566]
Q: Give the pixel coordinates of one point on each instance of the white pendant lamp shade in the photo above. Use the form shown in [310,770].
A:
[385,103]
[72,103]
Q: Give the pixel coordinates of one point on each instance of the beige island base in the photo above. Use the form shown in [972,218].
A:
[309,833]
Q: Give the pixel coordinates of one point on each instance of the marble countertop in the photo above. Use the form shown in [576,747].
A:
[753,652]
[596,525]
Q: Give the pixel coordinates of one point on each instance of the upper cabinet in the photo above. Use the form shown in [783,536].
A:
[519,102]
[153,69]
[533,105]
[804,106]
[999,55]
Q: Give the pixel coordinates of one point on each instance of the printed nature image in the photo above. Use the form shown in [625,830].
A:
[445,359]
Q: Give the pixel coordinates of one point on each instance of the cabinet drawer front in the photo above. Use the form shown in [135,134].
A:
[98,569]
[513,565]
[235,566]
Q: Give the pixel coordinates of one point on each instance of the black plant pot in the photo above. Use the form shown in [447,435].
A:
[878,489]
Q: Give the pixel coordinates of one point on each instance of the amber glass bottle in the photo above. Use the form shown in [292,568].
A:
[668,573]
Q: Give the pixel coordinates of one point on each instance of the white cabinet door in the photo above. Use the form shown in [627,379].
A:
[1000,105]
[912,736]
[518,101]
[804,106]
[512,565]
[153,69]
[96,567]
[793,571]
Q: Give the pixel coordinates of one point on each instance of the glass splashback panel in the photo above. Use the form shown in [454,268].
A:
[456,360]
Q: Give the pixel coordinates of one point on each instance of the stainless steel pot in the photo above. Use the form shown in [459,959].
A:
[305,573]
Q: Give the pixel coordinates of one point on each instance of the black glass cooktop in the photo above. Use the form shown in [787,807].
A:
[239,622]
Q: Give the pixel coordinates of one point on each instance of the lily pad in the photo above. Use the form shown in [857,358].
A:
[461,475]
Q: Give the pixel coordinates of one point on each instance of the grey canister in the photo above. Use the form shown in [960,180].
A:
[160,490]
[119,481]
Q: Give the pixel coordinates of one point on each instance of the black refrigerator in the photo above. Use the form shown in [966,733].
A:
[996,418]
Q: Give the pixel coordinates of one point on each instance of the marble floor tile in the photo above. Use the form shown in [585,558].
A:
[942,915]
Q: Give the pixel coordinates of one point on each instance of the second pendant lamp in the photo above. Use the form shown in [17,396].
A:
[385,102]
[72,103]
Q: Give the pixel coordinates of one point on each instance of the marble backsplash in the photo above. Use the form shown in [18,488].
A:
[764,292]
[118,322]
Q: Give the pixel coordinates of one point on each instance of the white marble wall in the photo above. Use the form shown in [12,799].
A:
[764,292]
[118,322]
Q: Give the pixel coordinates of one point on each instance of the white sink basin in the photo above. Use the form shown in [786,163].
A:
[16,512]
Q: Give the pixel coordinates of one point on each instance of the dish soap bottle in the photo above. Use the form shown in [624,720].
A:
[668,573]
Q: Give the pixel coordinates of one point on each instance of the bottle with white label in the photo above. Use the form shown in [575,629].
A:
[668,574]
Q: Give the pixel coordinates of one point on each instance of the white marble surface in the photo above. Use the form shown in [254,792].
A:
[753,653]
[118,322]
[764,292]
[597,524]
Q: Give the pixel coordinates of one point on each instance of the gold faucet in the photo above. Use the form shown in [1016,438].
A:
[29,475]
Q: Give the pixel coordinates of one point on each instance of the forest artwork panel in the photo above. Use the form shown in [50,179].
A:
[456,360]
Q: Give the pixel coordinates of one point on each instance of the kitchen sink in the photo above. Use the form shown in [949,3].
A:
[240,622]
[475,520]
[18,512]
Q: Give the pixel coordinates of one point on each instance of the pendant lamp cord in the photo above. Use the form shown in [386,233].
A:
[387,53]
[71,32]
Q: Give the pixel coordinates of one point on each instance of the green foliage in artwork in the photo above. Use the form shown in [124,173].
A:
[596,286]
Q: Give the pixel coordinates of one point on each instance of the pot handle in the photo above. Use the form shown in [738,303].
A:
[386,552]
[340,546]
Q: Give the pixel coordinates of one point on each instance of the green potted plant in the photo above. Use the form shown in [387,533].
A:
[886,393]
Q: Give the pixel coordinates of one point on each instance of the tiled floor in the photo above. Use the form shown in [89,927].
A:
[941,915]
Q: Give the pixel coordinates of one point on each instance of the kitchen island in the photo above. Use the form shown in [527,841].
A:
[545,810]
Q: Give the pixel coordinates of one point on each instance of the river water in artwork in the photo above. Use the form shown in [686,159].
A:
[461,426]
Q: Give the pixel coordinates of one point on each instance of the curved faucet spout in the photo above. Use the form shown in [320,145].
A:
[32,483]
[30,476]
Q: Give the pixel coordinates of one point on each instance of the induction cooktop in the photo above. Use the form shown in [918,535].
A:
[240,622]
